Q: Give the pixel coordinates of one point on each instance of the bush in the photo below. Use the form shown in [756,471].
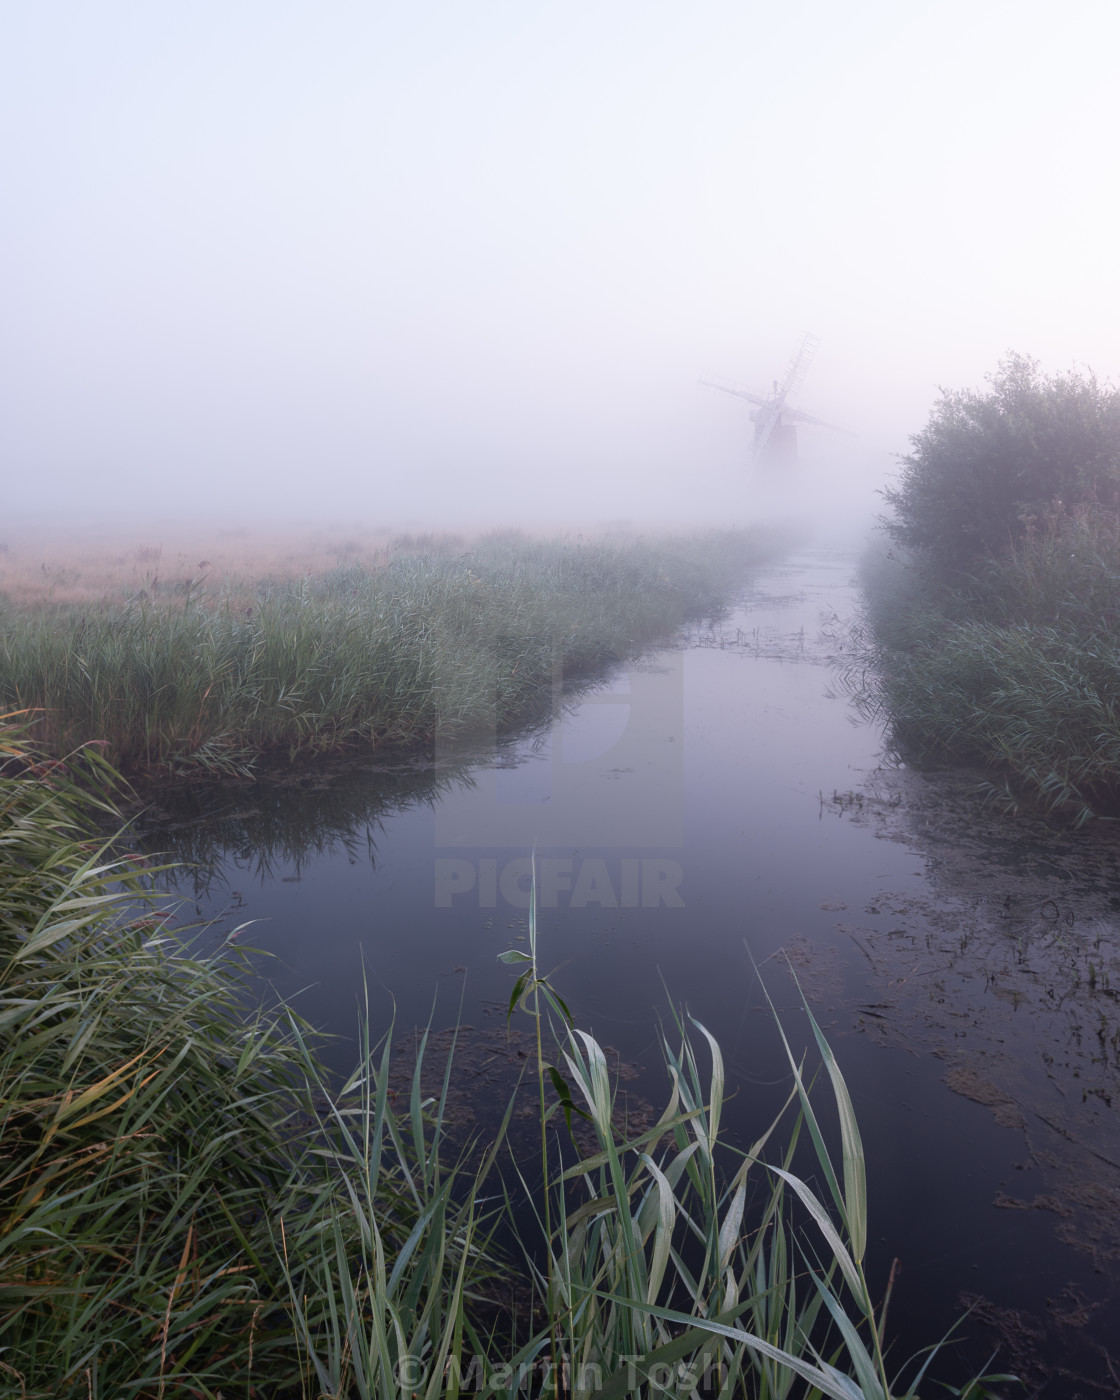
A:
[988,466]
[991,627]
[1017,668]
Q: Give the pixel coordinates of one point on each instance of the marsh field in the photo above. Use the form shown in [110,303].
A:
[285,653]
[704,811]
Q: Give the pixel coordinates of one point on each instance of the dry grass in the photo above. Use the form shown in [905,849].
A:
[42,568]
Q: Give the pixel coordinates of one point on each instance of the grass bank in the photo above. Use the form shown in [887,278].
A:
[386,650]
[1014,666]
[189,1207]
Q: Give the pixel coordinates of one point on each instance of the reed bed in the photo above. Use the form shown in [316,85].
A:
[384,651]
[190,1206]
[1016,668]
[169,1167]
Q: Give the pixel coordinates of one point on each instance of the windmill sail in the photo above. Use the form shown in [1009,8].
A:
[775,423]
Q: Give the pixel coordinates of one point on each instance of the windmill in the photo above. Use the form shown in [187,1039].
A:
[775,423]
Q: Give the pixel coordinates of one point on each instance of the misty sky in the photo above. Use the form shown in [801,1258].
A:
[465,261]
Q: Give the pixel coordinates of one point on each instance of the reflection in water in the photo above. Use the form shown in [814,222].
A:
[273,826]
[278,826]
[718,796]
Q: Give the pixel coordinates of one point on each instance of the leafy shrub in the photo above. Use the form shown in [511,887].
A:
[1016,668]
[988,465]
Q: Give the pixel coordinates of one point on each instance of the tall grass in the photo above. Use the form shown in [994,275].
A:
[1016,668]
[189,1206]
[367,655]
[677,1264]
[169,1165]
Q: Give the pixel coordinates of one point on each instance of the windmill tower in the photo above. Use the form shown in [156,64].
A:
[775,423]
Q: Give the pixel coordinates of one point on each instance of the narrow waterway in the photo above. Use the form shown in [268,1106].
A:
[720,806]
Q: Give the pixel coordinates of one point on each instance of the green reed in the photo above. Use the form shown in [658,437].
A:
[363,657]
[675,1263]
[171,1165]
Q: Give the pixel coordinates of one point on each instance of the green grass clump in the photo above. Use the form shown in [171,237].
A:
[172,1167]
[189,1207]
[439,638]
[677,1264]
[1016,667]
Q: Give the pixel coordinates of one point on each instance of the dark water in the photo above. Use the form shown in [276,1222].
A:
[717,803]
